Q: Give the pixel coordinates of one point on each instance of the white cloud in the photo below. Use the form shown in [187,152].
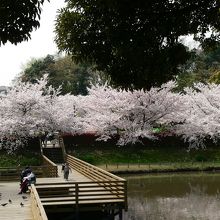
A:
[13,57]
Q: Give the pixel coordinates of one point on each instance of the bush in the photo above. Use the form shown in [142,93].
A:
[7,160]
[89,158]
[200,158]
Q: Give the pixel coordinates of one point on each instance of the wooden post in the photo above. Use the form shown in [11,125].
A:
[77,200]
[61,143]
[41,147]
[125,196]
[120,214]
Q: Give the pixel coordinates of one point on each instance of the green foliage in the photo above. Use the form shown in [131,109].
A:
[89,158]
[62,71]
[36,68]
[200,158]
[203,66]
[215,77]
[18,19]
[113,155]
[135,42]
[31,159]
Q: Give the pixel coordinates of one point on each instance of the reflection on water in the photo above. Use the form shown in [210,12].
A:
[175,196]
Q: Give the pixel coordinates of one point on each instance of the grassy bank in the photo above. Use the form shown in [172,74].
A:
[146,155]
[24,159]
[161,167]
[152,159]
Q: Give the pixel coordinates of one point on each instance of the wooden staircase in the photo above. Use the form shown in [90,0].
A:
[54,154]
[55,151]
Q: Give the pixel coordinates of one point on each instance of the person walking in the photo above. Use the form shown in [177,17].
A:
[66,171]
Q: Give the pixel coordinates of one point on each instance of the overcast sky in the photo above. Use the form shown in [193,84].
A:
[13,57]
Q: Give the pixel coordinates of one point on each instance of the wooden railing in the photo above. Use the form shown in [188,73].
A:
[10,173]
[110,182]
[79,193]
[14,173]
[90,171]
[37,208]
[52,170]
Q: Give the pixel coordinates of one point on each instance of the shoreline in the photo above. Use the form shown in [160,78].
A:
[162,169]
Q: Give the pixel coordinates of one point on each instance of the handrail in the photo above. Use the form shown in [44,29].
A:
[48,161]
[77,193]
[52,167]
[13,173]
[37,208]
[109,181]
[73,160]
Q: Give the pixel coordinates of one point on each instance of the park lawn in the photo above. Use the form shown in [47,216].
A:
[146,155]
[25,159]
[160,167]
[154,159]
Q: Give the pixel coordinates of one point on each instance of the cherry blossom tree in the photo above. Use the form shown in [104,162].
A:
[63,113]
[132,115]
[19,111]
[201,115]
[29,110]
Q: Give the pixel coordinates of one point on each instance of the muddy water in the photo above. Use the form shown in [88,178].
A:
[173,196]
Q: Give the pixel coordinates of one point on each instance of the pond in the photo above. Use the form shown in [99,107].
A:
[173,196]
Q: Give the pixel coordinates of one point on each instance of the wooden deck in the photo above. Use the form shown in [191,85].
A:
[9,190]
[89,188]
[13,210]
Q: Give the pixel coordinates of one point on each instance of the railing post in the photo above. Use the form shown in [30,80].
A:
[125,196]
[77,200]
[41,147]
[61,143]
[120,214]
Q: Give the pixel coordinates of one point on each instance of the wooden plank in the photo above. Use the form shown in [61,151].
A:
[83,197]
[56,199]
[83,202]
[14,211]
[36,205]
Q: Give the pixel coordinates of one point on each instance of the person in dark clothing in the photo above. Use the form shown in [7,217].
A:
[24,180]
[27,180]
[25,172]
[44,140]
[66,171]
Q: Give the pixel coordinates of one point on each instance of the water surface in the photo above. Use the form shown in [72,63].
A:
[192,196]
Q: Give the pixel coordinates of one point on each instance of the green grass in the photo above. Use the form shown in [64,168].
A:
[154,159]
[146,155]
[30,159]
[161,167]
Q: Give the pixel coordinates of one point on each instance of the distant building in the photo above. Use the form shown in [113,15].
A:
[4,90]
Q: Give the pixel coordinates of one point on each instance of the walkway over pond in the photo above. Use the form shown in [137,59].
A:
[89,188]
